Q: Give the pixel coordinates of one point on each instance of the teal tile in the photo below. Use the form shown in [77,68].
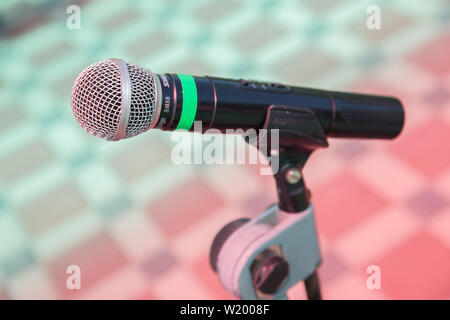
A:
[17,262]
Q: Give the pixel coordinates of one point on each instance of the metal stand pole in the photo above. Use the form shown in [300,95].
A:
[294,197]
[312,287]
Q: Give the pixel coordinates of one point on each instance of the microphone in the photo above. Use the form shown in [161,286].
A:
[115,100]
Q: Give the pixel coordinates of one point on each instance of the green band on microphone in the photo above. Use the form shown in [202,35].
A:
[189,108]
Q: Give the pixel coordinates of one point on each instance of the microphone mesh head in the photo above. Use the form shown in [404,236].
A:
[115,100]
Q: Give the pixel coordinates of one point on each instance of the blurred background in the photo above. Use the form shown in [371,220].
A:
[140,227]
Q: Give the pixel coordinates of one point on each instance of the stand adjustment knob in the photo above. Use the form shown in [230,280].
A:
[269,272]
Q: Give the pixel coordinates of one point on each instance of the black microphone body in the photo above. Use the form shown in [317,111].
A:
[116,100]
[240,104]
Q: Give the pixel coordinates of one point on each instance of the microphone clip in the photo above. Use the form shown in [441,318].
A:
[299,134]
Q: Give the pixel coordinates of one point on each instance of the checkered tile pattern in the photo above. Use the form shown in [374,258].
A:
[140,227]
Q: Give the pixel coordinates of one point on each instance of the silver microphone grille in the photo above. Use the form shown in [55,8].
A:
[115,100]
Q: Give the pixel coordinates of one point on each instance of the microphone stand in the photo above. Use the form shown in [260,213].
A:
[263,257]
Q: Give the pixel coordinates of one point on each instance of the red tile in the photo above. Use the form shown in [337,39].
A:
[344,202]
[157,265]
[417,269]
[425,148]
[145,296]
[437,97]
[3,295]
[257,203]
[331,268]
[427,203]
[375,86]
[98,258]
[185,206]
[204,274]
[434,56]
[265,181]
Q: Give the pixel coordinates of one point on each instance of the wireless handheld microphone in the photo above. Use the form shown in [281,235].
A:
[116,100]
